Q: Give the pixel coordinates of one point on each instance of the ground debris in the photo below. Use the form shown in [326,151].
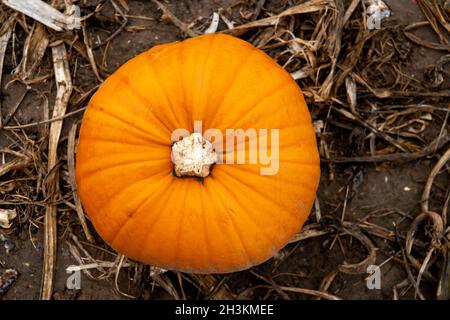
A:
[6,217]
[7,279]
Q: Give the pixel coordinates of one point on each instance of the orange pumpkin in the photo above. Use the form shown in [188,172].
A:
[233,217]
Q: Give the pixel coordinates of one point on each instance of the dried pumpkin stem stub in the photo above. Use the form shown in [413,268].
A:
[193,156]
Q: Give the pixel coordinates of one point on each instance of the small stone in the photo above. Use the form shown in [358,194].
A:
[9,245]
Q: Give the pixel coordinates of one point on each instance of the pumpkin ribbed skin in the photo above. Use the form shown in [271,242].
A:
[234,218]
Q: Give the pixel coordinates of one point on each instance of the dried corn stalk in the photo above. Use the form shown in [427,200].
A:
[64,89]
[46,14]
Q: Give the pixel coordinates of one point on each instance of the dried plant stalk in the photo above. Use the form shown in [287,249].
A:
[208,284]
[361,267]
[5,35]
[64,90]
[33,51]
[73,182]
[46,14]
[177,22]
[90,53]
[307,7]
[310,231]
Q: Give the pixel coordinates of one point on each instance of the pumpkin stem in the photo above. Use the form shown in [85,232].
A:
[193,156]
